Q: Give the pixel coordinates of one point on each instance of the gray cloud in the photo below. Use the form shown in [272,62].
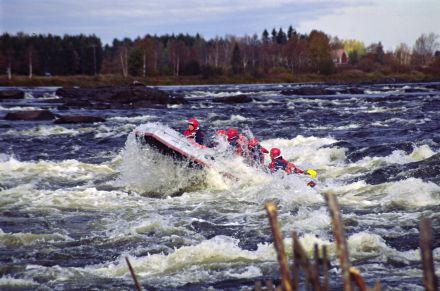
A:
[117,18]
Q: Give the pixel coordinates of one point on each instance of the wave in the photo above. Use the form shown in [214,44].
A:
[26,239]
[142,118]
[205,261]
[19,108]
[10,282]
[50,130]
[146,171]
[408,193]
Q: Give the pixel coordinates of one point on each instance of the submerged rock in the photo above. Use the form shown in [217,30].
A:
[353,90]
[116,97]
[308,91]
[233,99]
[78,119]
[30,115]
[11,94]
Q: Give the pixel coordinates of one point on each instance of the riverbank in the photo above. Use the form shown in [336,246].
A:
[106,80]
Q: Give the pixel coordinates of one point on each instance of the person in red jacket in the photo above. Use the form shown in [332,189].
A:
[238,142]
[256,152]
[278,163]
[193,132]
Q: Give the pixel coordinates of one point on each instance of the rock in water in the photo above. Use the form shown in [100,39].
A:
[78,119]
[30,115]
[11,94]
[116,97]
[307,91]
[233,99]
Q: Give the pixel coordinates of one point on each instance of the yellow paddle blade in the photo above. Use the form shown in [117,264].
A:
[312,173]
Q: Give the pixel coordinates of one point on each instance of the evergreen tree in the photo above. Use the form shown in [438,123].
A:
[265,37]
[290,32]
[236,59]
[379,53]
[281,37]
[135,63]
[274,36]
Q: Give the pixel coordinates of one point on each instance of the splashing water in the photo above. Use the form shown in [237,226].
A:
[75,200]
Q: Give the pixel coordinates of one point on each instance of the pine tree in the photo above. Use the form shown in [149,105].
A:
[265,36]
[274,35]
[281,37]
[290,32]
[379,53]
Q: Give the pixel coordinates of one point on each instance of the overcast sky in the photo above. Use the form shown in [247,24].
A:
[389,21]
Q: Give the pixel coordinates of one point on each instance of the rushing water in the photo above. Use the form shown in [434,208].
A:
[75,200]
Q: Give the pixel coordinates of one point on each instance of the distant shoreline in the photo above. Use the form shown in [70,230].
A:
[110,80]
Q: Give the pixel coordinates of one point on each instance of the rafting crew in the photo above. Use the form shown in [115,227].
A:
[194,133]
[250,149]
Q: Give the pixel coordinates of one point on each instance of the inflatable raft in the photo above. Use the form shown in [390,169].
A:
[171,143]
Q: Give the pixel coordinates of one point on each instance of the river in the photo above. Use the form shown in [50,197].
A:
[75,200]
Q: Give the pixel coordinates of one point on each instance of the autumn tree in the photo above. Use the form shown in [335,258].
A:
[295,53]
[236,59]
[403,54]
[424,48]
[355,50]
[320,52]
[177,51]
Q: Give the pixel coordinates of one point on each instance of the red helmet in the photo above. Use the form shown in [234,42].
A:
[232,133]
[222,132]
[193,122]
[253,142]
[275,153]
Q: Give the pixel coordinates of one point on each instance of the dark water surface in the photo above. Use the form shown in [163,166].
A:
[75,200]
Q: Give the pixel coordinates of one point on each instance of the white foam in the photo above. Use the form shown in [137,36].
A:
[49,130]
[18,108]
[308,151]
[12,169]
[400,157]
[212,252]
[104,131]
[144,170]
[142,118]
[411,193]
[342,127]
[233,118]
[26,239]
[10,282]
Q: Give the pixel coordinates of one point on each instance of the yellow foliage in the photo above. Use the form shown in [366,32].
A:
[351,45]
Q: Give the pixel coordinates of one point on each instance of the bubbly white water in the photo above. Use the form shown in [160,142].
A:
[184,226]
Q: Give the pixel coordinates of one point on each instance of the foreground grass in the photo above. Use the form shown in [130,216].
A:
[111,80]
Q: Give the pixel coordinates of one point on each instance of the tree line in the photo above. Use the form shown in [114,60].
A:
[287,52]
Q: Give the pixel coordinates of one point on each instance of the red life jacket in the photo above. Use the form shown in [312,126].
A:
[195,135]
[281,164]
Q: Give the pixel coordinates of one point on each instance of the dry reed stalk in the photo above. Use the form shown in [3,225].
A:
[286,282]
[133,274]
[341,242]
[325,268]
[429,278]
[312,276]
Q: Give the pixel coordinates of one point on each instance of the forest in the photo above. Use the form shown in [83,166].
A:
[275,52]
